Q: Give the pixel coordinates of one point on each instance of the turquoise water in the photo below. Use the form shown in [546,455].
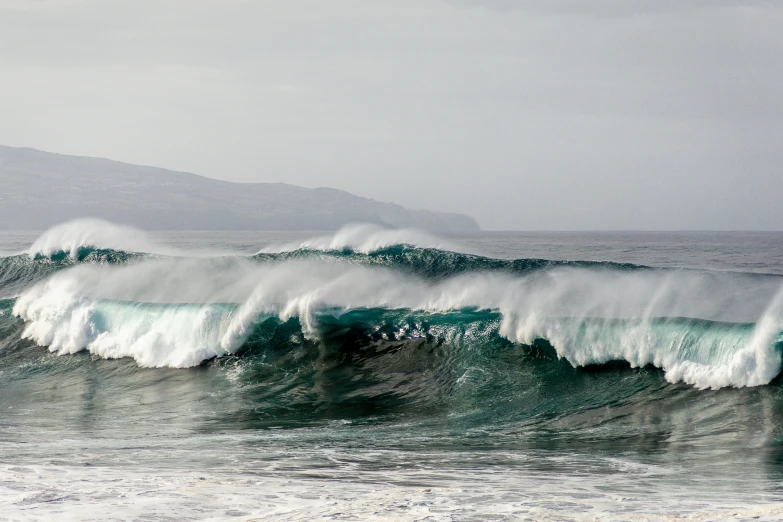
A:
[364,376]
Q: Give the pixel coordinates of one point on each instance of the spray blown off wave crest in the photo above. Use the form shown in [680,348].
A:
[72,237]
[80,239]
[179,312]
[364,239]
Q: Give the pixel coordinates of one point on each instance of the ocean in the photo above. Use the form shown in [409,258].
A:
[374,374]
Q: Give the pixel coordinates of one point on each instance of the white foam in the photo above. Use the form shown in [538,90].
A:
[68,311]
[255,491]
[74,235]
[365,239]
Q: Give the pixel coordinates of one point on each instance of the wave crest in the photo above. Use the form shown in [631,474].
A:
[96,234]
[364,239]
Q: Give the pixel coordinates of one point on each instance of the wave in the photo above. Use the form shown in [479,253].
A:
[88,234]
[20,271]
[74,237]
[87,237]
[710,330]
[89,285]
[83,242]
[436,264]
[364,239]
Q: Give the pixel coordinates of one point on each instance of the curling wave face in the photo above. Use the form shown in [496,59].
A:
[703,328]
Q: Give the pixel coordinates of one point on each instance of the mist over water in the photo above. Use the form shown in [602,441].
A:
[401,374]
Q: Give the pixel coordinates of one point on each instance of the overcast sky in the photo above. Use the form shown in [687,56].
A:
[541,114]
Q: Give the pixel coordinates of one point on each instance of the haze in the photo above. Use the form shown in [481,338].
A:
[524,114]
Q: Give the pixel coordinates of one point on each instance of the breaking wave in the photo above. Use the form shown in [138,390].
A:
[75,237]
[91,286]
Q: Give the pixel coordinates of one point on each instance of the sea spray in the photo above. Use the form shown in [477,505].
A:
[205,308]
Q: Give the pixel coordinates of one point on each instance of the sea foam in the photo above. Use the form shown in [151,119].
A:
[74,235]
[365,239]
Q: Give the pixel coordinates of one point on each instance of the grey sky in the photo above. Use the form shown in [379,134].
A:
[525,114]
